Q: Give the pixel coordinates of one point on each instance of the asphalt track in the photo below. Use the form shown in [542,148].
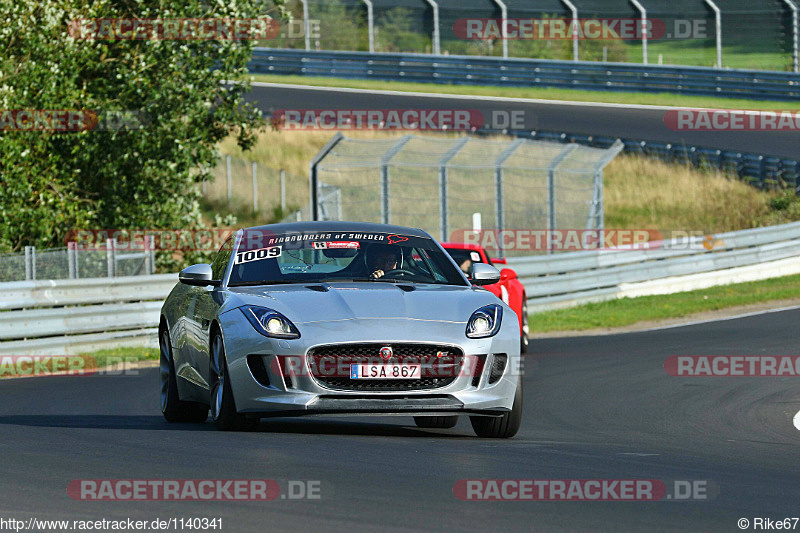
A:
[595,408]
[614,120]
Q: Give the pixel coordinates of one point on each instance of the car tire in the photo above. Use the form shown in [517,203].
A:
[500,427]
[222,404]
[436,422]
[172,407]
[525,333]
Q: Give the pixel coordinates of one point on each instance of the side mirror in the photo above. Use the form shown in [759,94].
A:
[499,260]
[483,274]
[198,275]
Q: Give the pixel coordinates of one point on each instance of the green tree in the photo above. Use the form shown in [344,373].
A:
[51,182]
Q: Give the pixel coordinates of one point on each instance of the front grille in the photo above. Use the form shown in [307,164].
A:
[330,365]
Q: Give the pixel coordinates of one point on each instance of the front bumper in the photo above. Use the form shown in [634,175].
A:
[302,394]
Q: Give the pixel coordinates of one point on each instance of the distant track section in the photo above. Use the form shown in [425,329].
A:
[589,118]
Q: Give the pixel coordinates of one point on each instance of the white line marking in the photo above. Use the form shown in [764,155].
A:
[472,97]
[638,454]
[720,319]
[797,420]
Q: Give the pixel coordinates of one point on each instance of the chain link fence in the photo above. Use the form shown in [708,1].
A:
[244,186]
[439,184]
[75,262]
[757,35]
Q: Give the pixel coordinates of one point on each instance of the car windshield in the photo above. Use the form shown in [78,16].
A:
[264,258]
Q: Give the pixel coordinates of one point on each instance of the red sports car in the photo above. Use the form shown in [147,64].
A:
[509,288]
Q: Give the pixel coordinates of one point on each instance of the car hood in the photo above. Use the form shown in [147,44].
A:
[364,300]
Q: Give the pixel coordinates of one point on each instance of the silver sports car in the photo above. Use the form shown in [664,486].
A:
[339,318]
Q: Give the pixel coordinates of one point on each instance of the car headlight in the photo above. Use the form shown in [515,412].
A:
[485,322]
[270,323]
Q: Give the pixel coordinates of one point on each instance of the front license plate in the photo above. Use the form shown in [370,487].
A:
[362,371]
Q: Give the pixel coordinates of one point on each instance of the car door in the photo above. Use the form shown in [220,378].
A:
[207,303]
[199,311]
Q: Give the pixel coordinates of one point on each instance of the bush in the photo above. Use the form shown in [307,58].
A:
[139,179]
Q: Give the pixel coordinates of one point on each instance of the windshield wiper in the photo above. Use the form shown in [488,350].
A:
[265,282]
[344,280]
[384,279]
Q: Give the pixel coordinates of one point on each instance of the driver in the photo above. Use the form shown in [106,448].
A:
[383,259]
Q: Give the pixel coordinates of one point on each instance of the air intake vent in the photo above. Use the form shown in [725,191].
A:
[480,362]
[498,367]
[256,364]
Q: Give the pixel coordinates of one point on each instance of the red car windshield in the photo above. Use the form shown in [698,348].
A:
[465,258]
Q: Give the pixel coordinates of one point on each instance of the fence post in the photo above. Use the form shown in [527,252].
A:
[149,254]
[598,209]
[228,175]
[504,26]
[72,259]
[283,191]
[30,263]
[111,258]
[385,204]
[370,25]
[152,254]
[306,25]
[387,157]
[793,7]
[643,12]
[500,219]
[551,193]
[450,154]
[435,45]
[718,18]
[312,173]
[255,187]
[575,23]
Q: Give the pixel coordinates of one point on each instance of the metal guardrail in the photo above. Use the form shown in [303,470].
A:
[761,170]
[476,70]
[79,320]
[79,315]
[579,277]
[68,292]
[75,316]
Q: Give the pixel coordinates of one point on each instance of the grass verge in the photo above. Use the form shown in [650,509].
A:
[665,99]
[88,362]
[627,311]
[127,354]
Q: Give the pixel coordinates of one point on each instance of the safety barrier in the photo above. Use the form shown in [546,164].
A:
[75,316]
[477,70]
